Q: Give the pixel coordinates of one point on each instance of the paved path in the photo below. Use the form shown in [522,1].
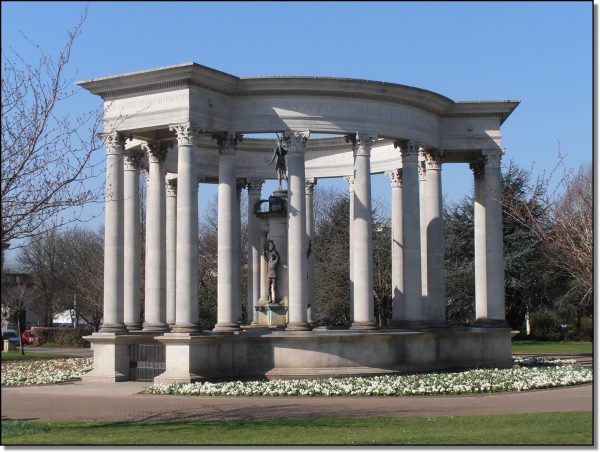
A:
[122,402]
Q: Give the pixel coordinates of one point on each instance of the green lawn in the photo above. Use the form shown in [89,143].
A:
[15,355]
[541,429]
[559,348]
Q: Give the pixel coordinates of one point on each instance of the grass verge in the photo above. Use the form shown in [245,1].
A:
[559,348]
[532,429]
[16,356]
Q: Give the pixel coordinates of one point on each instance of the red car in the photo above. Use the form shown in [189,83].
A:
[28,337]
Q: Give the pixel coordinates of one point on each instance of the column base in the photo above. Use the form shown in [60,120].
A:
[297,327]
[363,326]
[133,327]
[155,327]
[113,328]
[226,327]
[184,328]
[491,323]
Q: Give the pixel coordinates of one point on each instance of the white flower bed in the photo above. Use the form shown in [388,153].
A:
[469,382]
[37,372]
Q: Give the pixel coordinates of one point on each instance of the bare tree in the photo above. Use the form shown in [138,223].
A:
[43,259]
[565,227]
[15,295]
[46,154]
[83,251]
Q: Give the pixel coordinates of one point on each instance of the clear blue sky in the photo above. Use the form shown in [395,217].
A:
[537,52]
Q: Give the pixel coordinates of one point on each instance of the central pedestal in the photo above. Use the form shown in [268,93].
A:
[272,314]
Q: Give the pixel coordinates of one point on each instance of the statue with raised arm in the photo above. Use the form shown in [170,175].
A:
[279,158]
[272,258]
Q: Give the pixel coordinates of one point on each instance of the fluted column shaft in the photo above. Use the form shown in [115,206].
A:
[397,245]
[156,246]
[113,236]
[310,235]
[132,243]
[227,227]
[297,319]
[481,309]
[171,186]
[422,167]
[186,253]
[362,231]
[489,258]
[436,279]
[412,311]
[254,187]
[237,254]
[350,180]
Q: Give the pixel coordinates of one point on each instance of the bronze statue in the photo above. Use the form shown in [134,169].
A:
[279,158]
[272,257]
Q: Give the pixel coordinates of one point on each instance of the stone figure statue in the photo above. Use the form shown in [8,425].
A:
[272,257]
[279,158]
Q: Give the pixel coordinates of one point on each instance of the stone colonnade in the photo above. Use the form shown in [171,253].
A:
[171,278]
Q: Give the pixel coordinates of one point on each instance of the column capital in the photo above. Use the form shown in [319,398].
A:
[171,185]
[433,158]
[309,185]
[240,184]
[409,150]
[395,177]
[492,158]
[132,160]
[297,140]
[254,186]
[115,142]
[350,180]
[478,167]
[156,152]
[227,142]
[187,133]
[422,165]
[361,142]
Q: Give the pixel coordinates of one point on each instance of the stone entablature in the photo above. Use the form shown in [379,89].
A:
[143,104]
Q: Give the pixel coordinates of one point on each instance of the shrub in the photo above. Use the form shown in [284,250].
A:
[67,337]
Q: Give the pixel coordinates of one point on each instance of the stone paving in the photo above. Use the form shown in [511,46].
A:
[121,402]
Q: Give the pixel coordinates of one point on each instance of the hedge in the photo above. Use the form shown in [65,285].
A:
[67,337]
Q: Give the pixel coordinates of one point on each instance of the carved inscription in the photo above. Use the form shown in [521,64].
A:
[146,103]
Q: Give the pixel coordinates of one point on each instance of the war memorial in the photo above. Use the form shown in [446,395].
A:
[189,124]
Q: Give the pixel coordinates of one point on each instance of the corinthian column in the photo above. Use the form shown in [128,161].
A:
[254,187]
[171,185]
[422,166]
[397,246]
[227,228]
[362,231]
[489,278]
[297,232]
[411,313]
[434,227]
[186,277]
[350,180]
[113,235]
[310,256]
[132,242]
[156,245]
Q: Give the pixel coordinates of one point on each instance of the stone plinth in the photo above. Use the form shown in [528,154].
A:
[272,314]
[323,353]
